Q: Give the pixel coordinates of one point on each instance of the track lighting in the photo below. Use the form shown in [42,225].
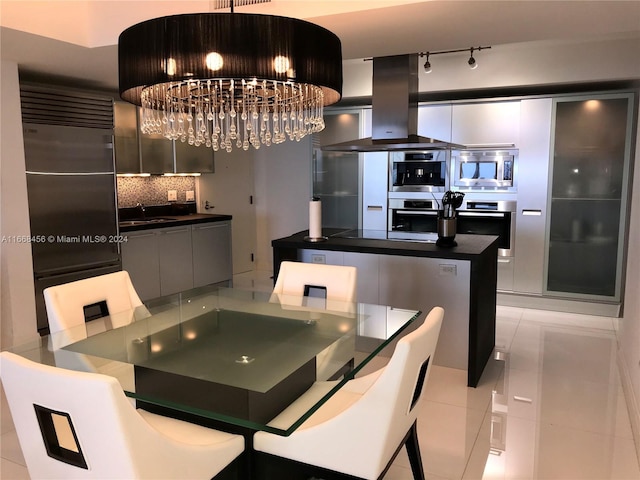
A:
[427,65]
[473,64]
[472,61]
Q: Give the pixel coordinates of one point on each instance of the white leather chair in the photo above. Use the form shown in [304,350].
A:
[361,428]
[78,425]
[65,303]
[340,283]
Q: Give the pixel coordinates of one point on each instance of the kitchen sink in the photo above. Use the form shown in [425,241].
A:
[144,221]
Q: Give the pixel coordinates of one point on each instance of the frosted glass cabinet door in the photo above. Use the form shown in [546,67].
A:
[588,201]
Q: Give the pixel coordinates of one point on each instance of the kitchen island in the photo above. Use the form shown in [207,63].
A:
[418,275]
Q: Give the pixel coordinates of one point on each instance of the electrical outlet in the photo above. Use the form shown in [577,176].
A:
[172,195]
[318,258]
[448,270]
[191,195]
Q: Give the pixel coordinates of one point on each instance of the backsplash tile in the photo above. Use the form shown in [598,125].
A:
[152,190]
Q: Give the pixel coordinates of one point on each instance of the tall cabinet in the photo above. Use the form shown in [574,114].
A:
[335,175]
[588,198]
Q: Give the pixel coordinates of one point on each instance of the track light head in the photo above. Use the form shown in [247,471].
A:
[427,65]
[472,61]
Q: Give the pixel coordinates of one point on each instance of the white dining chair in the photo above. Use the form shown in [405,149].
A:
[78,425]
[362,427]
[339,281]
[338,284]
[66,303]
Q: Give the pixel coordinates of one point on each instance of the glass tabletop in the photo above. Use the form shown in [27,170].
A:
[231,355]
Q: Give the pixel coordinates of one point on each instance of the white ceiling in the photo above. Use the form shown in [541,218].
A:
[76,40]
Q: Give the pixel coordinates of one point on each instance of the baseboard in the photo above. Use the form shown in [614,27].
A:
[539,302]
[632,402]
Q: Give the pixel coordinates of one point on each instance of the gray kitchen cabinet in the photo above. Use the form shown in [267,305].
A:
[374,190]
[211,253]
[588,198]
[434,121]
[532,175]
[175,259]
[486,124]
[126,142]
[156,154]
[192,159]
[164,261]
[143,153]
[335,175]
[141,259]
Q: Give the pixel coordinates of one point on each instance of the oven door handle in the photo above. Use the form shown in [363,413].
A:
[417,212]
[481,214]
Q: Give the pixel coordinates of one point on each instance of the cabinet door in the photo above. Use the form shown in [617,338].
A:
[434,121]
[192,159]
[374,191]
[176,259]
[156,154]
[140,259]
[423,283]
[367,265]
[212,260]
[125,131]
[588,201]
[486,124]
[532,176]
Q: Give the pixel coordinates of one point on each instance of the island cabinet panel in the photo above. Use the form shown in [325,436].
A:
[424,283]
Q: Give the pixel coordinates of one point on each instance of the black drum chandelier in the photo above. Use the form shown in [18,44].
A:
[229,79]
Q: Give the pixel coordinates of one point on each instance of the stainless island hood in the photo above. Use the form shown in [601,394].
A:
[394,110]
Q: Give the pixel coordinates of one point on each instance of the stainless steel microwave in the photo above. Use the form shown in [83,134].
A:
[480,169]
[419,171]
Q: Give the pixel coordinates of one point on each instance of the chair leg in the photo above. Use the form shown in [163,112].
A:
[413,450]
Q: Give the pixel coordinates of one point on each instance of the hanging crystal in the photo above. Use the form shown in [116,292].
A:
[224,113]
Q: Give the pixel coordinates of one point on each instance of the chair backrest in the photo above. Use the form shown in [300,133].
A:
[339,281]
[65,303]
[78,425]
[369,431]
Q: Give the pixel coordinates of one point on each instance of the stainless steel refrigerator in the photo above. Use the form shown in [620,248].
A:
[72,205]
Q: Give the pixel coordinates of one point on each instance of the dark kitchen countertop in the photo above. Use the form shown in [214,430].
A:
[469,246]
[163,221]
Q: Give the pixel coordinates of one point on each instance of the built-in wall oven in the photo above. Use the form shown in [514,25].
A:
[416,219]
[419,171]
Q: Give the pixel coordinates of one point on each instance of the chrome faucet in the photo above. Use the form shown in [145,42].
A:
[141,209]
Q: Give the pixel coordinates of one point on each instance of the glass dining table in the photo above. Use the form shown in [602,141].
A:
[228,356]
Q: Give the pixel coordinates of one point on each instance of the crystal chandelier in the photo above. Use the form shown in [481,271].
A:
[224,79]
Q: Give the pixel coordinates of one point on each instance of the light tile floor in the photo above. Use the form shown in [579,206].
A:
[548,406]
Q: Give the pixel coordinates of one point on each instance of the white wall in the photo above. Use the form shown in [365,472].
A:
[283,191]
[17,305]
[534,63]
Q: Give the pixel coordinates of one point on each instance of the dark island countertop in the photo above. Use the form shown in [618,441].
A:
[469,247]
[164,221]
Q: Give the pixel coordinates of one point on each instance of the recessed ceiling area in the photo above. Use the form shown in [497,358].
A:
[77,40]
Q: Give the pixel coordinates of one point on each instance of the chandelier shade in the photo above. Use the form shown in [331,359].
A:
[224,79]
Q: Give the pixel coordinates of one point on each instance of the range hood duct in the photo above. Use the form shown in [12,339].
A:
[394,110]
